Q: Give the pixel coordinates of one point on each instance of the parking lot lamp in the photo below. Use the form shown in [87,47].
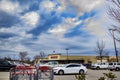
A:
[67,53]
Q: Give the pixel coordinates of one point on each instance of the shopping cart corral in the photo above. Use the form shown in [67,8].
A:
[44,73]
[31,73]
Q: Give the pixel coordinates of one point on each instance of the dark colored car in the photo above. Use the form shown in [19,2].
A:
[5,65]
[88,65]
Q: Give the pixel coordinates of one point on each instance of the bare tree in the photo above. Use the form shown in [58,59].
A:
[37,57]
[7,58]
[28,59]
[114,13]
[23,55]
[42,55]
[100,49]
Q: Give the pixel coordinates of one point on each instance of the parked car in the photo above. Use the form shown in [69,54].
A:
[72,68]
[51,64]
[6,65]
[20,64]
[100,65]
[88,65]
[114,66]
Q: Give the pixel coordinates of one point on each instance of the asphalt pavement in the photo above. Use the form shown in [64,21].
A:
[91,75]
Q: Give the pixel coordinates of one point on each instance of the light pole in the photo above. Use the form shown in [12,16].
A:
[116,52]
[67,53]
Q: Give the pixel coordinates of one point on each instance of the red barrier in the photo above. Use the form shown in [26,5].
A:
[45,68]
[31,72]
[24,70]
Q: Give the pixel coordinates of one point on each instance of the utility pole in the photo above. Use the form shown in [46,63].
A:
[116,52]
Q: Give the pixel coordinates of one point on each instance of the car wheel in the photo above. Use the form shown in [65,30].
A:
[81,71]
[61,72]
[111,69]
[117,69]
[97,67]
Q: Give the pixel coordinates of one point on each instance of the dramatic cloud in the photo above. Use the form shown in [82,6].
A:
[52,25]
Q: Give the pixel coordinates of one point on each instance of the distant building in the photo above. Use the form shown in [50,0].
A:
[74,59]
[68,59]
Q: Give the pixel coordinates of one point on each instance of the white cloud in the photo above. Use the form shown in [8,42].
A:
[19,31]
[15,44]
[10,7]
[23,34]
[96,26]
[49,42]
[59,9]
[31,18]
[86,5]
[20,48]
[62,6]
[12,46]
[65,26]
[47,6]
[55,40]
[81,6]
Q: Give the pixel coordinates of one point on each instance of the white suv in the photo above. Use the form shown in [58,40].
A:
[114,66]
[100,65]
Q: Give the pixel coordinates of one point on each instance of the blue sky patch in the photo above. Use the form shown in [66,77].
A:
[8,20]
[87,15]
[6,35]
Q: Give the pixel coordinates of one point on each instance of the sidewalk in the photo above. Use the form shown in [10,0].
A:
[4,79]
[4,76]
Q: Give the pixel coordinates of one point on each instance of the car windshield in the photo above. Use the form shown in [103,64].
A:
[73,65]
[6,63]
[118,63]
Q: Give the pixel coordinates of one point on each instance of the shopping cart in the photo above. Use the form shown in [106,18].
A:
[31,73]
[44,73]
[23,73]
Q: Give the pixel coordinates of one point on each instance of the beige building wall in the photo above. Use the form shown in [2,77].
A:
[86,59]
[64,57]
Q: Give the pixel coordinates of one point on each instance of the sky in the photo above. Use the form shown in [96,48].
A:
[33,26]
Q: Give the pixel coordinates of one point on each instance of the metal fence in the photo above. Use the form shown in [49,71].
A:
[31,73]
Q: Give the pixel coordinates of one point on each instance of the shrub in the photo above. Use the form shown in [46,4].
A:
[101,78]
[80,77]
[108,76]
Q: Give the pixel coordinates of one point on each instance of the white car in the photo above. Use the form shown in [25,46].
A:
[72,68]
[114,66]
[51,64]
[100,65]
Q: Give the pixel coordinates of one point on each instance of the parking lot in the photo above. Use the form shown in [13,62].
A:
[91,75]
